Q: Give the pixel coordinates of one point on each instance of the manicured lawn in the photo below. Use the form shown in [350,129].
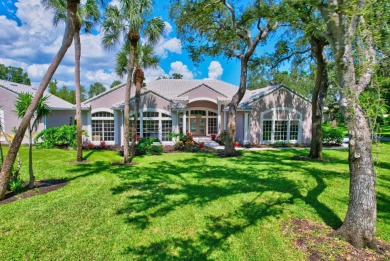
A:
[180,206]
[385,131]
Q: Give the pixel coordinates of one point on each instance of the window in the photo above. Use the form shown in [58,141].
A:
[102,126]
[166,129]
[198,113]
[280,124]
[294,129]
[213,125]
[150,114]
[150,129]
[211,113]
[280,133]
[267,130]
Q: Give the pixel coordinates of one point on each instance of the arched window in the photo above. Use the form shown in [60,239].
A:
[281,124]
[102,126]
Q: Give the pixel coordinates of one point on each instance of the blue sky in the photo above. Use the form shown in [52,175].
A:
[29,40]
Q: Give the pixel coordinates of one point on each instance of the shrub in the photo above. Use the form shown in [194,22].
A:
[201,144]
[103,145]
[145,146]
[64,136]
[16,185]
[221,138]
[332,135]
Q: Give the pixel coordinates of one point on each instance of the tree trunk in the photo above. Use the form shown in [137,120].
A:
[231,134]
[6,169]
[319,97]
[138,80]
[79,132]
[30,159]
[359,224]
[133,38]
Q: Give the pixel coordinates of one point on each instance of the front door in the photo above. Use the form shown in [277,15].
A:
[198,126]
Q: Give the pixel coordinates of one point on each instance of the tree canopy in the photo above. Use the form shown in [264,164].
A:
[14,74]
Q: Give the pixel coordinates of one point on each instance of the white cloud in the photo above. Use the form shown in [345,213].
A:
[106,78]
[172,45]
[179,67]
[151,74]
[168,28]
[215,70]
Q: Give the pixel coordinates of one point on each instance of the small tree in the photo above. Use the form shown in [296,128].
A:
[226,28]
[21,106]
[6,169]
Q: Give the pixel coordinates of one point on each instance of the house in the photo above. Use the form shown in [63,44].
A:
[62,112]
[267,115]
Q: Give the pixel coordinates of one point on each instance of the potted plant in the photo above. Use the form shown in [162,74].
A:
[236,144]
[213,136]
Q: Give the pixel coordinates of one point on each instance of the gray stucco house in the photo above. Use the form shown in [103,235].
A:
[267,115]
[62,112]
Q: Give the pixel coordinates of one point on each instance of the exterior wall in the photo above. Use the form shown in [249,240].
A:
[280,98]
[108,100]
[60,117]
[202,92]
[240,126]
[202,104]
[151,101]
[7,104]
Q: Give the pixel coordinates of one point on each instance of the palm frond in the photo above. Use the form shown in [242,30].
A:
[154,29]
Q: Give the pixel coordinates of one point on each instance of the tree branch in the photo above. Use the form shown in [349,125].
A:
[288,57]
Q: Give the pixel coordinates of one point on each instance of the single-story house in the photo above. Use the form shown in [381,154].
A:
[62,112]
[267,115]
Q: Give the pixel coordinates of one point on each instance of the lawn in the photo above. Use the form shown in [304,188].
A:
[180,206]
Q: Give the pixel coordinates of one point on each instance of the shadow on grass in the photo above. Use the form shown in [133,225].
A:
[160,189]
[89,154]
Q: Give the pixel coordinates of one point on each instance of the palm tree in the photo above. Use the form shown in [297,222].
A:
[87,17]
[127,22]
[21,106]
[144,58]
[6,169]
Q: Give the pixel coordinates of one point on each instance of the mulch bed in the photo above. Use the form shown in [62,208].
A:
[41,187]
[304,158]
[79,162]
[318,243]
[120,163]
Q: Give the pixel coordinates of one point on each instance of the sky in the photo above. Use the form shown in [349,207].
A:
[29,40]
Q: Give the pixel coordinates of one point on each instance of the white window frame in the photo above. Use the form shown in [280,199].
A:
[274,119]
[160,118]
[102,119]
[206,117]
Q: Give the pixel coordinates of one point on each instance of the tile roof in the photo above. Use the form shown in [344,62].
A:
[172,88]
[53,101]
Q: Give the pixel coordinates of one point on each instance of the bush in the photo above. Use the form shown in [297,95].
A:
[221,138]
[332,135]
[145,146]
[16,185]
[64,136]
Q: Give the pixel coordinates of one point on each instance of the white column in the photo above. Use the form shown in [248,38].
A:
[219,118]
[122,132]
[141,124]
[184,121]
[116,127]
[225,120]
[159,127]
[175,122]
[246,121]
[89,122]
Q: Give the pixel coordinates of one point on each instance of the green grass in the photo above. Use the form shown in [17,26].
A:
[385,131]
[180,206]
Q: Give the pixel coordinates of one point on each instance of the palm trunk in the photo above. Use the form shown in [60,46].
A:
[319,97]
[30,159]
[79,134]
[129,82]
[138,79]
[231,134]
[6,169]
